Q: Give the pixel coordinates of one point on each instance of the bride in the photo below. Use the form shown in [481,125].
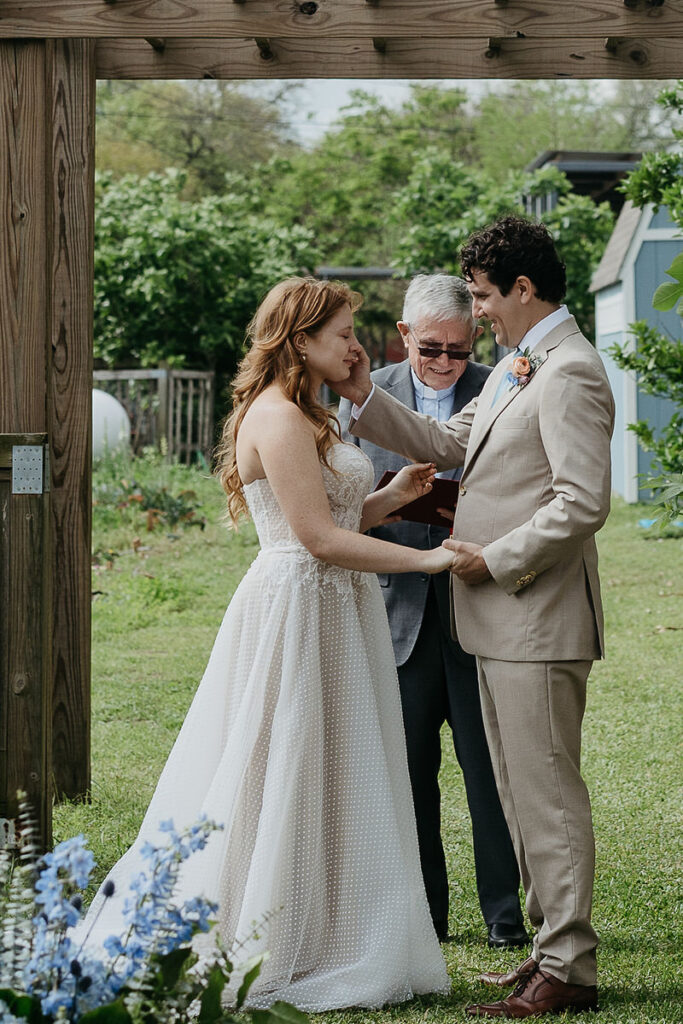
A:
[294,740]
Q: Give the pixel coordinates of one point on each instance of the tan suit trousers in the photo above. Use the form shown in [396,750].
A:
[532,716]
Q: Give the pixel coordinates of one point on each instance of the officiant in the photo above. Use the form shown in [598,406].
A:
[438,680]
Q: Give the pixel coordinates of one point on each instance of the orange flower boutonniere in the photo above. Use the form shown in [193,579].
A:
[523,368]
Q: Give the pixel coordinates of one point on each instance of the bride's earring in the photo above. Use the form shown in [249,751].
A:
[301,346]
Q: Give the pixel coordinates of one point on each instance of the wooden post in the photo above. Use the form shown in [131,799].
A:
[71,205]
[25,661]
[46,259]
[161,430]
[25,606]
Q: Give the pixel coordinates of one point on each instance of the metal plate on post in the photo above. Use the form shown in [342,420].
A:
[27,468]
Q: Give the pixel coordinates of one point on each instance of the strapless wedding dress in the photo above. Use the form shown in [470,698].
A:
[294,742]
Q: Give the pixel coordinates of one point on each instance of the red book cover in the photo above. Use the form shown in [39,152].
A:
[444,494]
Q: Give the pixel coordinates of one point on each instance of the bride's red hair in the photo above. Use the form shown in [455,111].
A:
[295,305]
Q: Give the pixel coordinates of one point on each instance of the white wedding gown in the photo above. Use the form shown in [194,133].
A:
[294,741]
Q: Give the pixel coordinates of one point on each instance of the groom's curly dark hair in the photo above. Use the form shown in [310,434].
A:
[511,247]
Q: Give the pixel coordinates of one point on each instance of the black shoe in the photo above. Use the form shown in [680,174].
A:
[502,936]
[441,929]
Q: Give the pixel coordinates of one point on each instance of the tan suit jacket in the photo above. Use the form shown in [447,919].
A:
[534,491]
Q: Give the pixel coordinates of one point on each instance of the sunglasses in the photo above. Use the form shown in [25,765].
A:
[429,352]
[433,352]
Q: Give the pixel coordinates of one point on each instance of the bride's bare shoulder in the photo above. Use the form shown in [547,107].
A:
[271,410]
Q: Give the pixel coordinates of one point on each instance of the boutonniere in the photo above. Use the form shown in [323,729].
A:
[523,368]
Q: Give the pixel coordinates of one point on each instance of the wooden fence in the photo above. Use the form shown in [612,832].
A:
[176,405]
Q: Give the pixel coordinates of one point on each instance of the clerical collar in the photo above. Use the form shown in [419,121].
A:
[424,392]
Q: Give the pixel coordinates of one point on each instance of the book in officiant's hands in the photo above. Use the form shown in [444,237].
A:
[444,494]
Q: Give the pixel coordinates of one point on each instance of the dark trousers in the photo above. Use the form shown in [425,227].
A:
[439,684]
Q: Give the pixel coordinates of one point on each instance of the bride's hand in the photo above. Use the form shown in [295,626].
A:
[437,560]
[412,482]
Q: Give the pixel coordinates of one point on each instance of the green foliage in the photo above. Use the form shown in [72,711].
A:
[655,358]
[177,281]
[581,229]
[671,292]
[443,202]
[120,495]
[658,362]
[207,129]
[516,122]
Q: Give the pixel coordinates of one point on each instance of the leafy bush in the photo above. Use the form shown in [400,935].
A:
[124,487]
[658,362]
[656,358]
[177,281]
[444,201]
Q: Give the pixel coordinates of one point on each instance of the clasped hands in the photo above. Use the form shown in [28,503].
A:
[468,562]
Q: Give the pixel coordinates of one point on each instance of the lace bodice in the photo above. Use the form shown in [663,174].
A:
[283,557]
[347,488]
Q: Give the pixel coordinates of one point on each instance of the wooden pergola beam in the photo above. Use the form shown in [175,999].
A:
[424,58]
[341,19]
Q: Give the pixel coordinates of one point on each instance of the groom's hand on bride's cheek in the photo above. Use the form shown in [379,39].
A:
[357,386]
[468,562]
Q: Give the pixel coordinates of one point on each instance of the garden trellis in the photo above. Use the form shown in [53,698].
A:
[50,57]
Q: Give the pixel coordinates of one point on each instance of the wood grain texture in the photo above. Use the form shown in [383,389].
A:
[71,87]
[22,238]
[357,19]
[403,58]
[24,651]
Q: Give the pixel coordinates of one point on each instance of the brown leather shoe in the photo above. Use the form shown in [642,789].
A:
[539,993]
[511,978]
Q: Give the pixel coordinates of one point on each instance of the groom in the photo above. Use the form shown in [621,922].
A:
[535,487]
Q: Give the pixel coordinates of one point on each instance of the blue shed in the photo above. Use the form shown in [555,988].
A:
[642,246]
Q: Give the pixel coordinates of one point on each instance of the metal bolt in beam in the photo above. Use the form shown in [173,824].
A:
[493,49]
[380,45]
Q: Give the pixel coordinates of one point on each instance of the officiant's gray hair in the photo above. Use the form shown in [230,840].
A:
[439,297]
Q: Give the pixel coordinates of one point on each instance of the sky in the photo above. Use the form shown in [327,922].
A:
[318,101]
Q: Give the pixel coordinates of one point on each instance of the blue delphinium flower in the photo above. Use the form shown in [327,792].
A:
[70,978]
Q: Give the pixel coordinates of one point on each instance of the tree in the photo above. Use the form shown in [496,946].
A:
[443,202]
[177,281]
[343,189]
[656,358]
[204,128]
[520,120]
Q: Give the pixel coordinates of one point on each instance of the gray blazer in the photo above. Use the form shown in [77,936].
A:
[405,594]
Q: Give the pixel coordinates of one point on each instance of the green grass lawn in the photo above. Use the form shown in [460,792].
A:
[155,614]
